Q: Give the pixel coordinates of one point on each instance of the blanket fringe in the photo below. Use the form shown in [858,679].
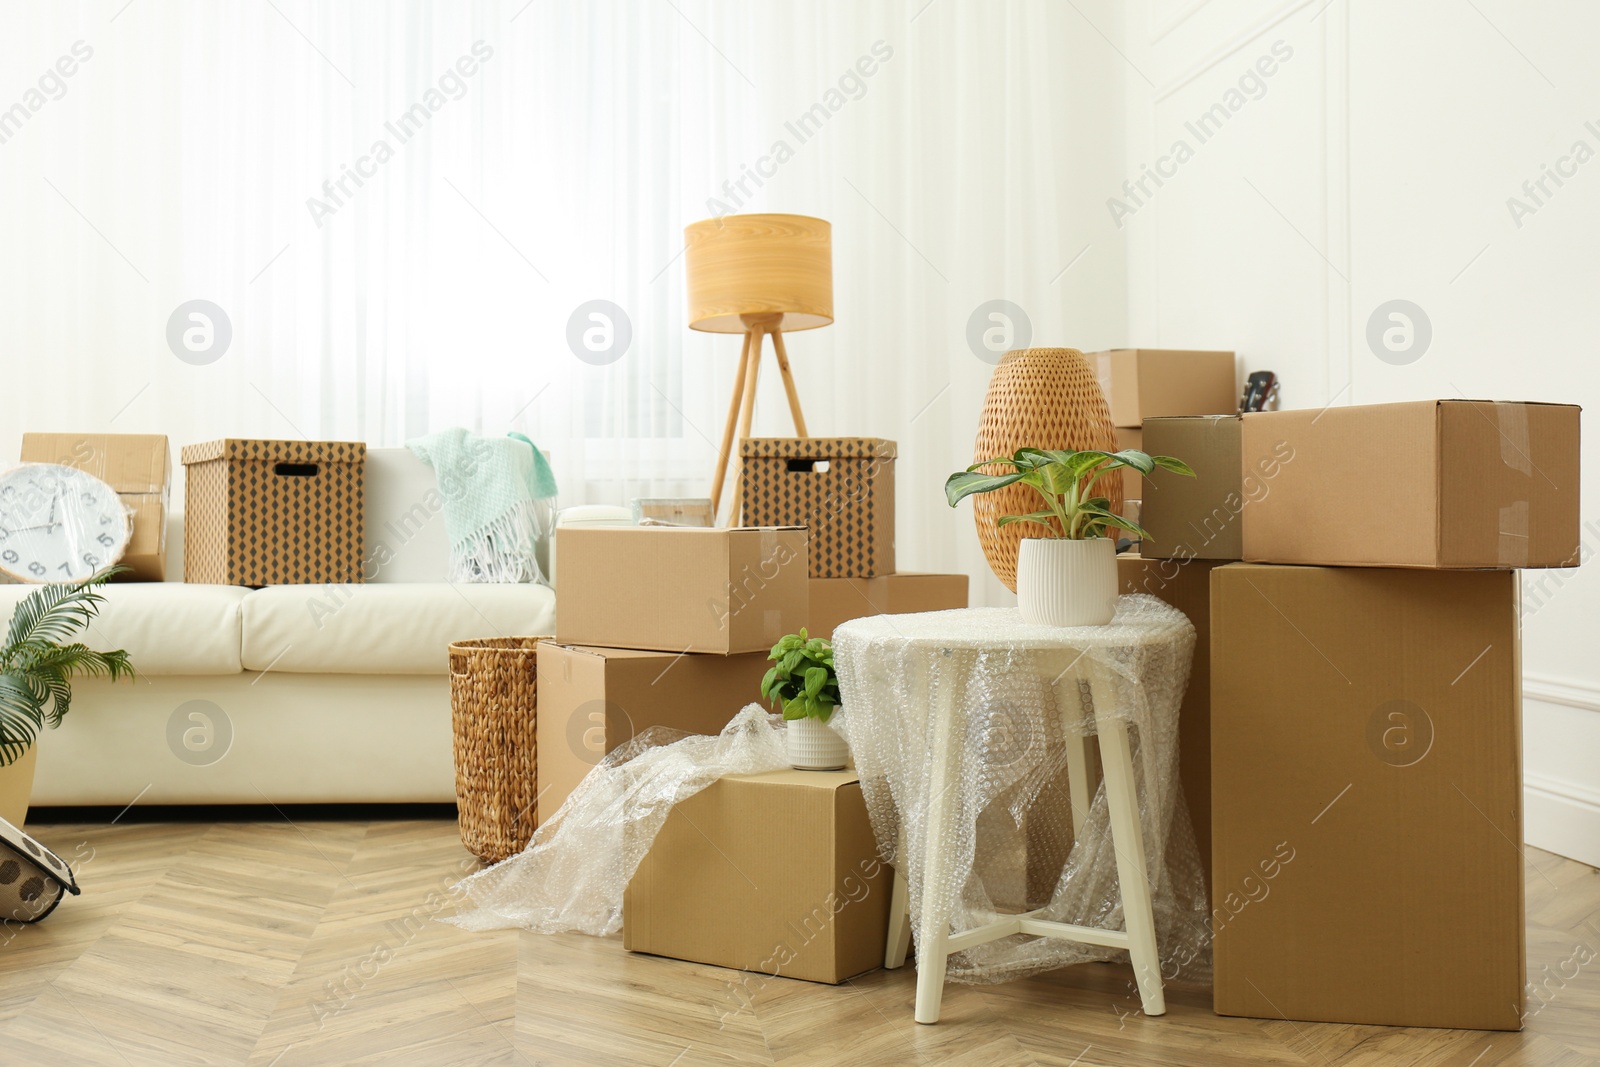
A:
[502,551]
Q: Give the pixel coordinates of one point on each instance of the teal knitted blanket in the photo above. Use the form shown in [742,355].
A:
[489,486]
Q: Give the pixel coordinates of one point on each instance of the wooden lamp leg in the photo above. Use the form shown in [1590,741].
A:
[727,432]
[788,384]
[747,412]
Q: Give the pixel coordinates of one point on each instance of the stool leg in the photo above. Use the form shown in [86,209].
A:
[1128,840]
[894,953]
[944,797]
[1080,784]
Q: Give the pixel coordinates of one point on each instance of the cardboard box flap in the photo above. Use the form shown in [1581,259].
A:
[817,448]
[128,462]
[234,448]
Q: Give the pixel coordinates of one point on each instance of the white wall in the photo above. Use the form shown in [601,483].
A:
[1376,165]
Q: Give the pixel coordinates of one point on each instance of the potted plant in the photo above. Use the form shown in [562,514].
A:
[1068,577]
[36,672]
[804,687]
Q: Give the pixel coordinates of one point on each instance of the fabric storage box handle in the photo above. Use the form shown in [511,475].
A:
[806,466]
[296,470]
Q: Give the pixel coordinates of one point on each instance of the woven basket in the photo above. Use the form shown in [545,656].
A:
[492,710]
[1039,398]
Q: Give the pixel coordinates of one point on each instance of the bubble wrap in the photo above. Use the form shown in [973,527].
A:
[572,875]
[1012,693]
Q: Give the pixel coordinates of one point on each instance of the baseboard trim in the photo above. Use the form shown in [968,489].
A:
[1560,815]
[1564,691]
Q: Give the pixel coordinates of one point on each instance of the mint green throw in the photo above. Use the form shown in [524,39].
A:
[489,486]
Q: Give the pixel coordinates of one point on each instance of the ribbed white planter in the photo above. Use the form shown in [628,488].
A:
[1067,583]
[814,746]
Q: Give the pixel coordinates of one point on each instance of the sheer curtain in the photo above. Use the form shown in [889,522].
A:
[399,208]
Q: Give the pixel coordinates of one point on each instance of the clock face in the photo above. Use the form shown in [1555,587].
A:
[58,524]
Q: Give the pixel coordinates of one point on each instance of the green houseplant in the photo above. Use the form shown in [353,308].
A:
[36,672]
[1067,576]
[802,684]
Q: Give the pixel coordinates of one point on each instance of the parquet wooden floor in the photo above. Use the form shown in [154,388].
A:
[301,942]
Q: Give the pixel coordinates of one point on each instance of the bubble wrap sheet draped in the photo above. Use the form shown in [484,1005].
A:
[572,875]
[1013,695]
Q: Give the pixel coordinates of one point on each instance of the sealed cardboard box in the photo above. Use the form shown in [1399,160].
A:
[593,699]
[1367,796]
[1145,383]
[840,488]
[775,874]
[838,600]
[683,589]
[1186,585]
[138,467]
[1200,517]
[1434,483]
[273,512]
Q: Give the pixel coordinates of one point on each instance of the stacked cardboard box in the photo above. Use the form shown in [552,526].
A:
[661,626]
[841,489]
[138,467]
[1364,715]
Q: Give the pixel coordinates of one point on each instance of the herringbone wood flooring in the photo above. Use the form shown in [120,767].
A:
[312,942]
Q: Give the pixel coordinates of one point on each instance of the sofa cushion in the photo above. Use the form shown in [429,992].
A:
[167,627]
[402,628]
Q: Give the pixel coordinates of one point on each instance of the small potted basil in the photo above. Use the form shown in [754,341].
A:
[803,686]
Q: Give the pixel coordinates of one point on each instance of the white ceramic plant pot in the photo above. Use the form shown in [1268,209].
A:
[814,746]
[1067,583]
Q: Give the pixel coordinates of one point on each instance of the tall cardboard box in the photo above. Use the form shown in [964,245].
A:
[681,589]
[1449,483]
[840,488]
[138,467]
[1367,796]
[261,512]
[1144,383]
[838,600]
[1201,517]
[1186,585]
[593,699]
[776,874]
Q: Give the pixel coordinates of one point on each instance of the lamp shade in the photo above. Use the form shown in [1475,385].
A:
[759,265]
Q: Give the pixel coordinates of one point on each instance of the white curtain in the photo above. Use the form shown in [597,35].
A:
[963,151]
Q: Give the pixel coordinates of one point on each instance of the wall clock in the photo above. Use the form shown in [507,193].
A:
[59,524]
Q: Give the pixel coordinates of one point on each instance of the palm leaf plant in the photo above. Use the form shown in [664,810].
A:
[36,668]
[802,684]
[1068,483]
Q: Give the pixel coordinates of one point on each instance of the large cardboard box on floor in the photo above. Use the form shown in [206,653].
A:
[138,467]
[1144,383]
[838,600]
[681,589]
[1433,483]
[1367,796]
[593,699]
[776,874]
[839,488]
[1200,517]
[1186,585]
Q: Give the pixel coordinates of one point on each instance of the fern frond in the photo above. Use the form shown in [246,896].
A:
[20,719]
[52,613]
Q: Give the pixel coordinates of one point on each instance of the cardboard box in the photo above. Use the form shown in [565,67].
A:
[1367,796]
[840,488]
[1132,481]
[1200,517]
[1434,483]
[593,699]
[838,600]
[1144,383]
[681,589]
[776,874]
[273,512]
[138,467]
[1186,585]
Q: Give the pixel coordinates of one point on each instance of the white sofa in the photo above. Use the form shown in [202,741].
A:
[287,694]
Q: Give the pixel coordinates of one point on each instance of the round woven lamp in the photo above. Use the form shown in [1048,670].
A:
[758,275]
[1039,398]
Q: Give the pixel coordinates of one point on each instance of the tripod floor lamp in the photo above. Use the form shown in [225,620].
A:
[759,275]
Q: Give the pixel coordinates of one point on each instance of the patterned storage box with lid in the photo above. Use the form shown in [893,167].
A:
[841,488]
[273,512]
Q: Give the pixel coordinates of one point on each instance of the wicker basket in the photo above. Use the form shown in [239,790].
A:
[1038,398]
[492,710]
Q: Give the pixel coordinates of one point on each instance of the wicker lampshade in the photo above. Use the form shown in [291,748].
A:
[744,267]
[1038,398]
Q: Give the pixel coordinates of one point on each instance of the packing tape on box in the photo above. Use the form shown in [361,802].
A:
[1511,422]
